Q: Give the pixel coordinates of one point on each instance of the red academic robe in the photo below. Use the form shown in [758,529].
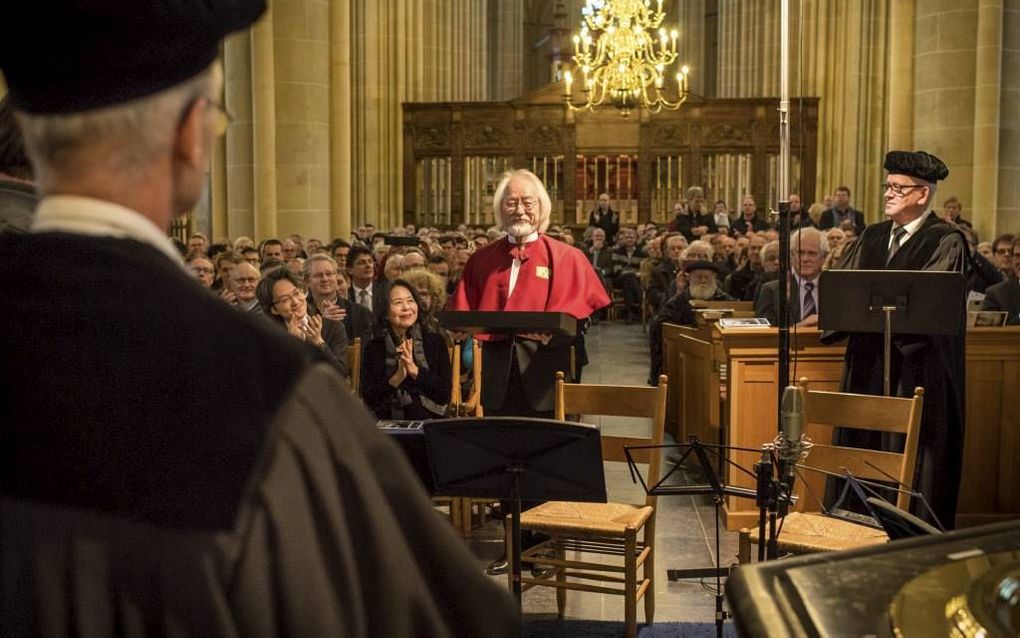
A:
[555,277]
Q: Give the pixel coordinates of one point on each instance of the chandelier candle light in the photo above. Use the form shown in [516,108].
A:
[623,53]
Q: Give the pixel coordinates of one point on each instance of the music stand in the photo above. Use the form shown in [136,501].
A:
[898,523]
[516,458]
[887,301]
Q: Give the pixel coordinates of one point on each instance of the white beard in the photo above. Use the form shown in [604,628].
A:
[520,229]
[702,291]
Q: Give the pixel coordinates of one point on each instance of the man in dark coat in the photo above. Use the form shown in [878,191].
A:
[842,215]
[807,252]
[695,222]
[143,490]
[606,218]
[1006,295]
[914,238]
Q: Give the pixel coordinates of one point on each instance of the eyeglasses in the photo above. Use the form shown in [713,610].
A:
[526,202]
[291,297]
[246,280]
[203,271]
[899,190]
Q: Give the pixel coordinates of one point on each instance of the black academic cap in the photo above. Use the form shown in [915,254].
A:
[67,56]
[701,265]
[916,164]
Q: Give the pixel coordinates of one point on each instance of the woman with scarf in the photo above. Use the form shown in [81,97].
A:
[406,372]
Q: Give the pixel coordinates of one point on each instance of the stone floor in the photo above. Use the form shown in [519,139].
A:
[685,531]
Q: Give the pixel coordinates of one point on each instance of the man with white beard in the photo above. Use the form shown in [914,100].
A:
[697,281]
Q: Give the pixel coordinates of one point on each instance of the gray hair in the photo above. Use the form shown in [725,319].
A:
[797,236]
[768,247]
[695,191]
[699,244]
[544,203]
[123,138]
[306,267]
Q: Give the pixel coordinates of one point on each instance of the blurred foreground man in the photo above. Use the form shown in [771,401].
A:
[913,237]
[143,491]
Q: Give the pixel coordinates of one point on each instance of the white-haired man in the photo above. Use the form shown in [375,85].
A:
[153,493]
[807,252]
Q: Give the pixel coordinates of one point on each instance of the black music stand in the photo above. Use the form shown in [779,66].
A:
[516,458]
[891,301]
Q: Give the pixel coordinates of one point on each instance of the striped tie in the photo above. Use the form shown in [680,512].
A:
[809,300]
[898,234]
[363,299]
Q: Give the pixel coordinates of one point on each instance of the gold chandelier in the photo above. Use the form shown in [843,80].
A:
[623,53]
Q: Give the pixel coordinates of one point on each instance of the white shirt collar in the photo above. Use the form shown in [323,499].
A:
[87,216]
[530,238]
[913,226]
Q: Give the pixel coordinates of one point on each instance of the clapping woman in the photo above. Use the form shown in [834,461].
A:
[406,372]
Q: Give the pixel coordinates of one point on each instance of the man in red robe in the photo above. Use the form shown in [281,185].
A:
[526,271]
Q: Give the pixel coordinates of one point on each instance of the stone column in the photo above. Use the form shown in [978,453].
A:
[264,126]
[509,48]
[901,75]
[1008,217]
[987,86]
[237,85]
[301,48]
[340,138]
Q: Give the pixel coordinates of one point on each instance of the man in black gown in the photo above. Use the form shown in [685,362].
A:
[142,490]
[914,238]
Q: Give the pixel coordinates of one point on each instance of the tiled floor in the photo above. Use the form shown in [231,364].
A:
[685,530]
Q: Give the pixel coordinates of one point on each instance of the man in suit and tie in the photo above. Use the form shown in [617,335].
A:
[807,252]
[1006,295]
[327,295]
[365,290]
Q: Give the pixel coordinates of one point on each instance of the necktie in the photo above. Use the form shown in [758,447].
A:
[519,252]
[363,299]
[809,300]
[898,234]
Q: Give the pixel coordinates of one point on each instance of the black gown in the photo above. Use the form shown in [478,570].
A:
[143,491]
[935,363]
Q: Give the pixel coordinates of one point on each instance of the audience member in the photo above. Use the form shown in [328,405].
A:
[406,372]
[626,266]
[842,215]
[225,262]
[664,274]
[721,216]
[365,289]
[202,269]
[741,282]
[283,300]
[273,249]
[1002,255]
[18,198]
[606,218]
[807,253]
[694,221]
[749,221]
[242,283]
[1005,296]
[799,217]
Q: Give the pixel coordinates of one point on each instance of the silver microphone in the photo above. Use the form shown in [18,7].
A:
[791,444]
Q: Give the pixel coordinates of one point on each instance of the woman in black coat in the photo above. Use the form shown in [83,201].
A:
[406,372]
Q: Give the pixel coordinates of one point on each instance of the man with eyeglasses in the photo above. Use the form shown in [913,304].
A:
[914,237]
[242,282]
[151,493]
[327,295]
[525,271]
[1001,255]
[807,252]
[1006,295]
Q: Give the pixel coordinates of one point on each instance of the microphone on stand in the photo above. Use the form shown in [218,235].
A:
[791,444]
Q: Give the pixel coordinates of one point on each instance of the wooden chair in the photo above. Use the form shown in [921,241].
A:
[804,533]
[623,530]
[354,366]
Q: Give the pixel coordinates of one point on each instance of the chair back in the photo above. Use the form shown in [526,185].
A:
[354,365]
[866,412]
[472,405]
[455,394]
[619,400]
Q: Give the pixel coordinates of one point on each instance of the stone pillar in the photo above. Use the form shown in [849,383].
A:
[1008,216]
[509,49]
[240,163]
[340,138]
[301,49]
[901,75]
[987,86]
[264,126]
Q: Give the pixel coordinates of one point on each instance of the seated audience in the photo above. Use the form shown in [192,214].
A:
[696,281]
[626,266]
[739,284]
[1006,295]
[241,285]
[807,253]
[284,301]
[600,256]
[432,295]
[251,256]
[406,372]
[225,262]
[664,274]
[1002,255]
[202,269]
[749,221]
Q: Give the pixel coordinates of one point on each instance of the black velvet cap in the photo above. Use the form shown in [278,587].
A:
[67,56]
[701,265]
[916,164]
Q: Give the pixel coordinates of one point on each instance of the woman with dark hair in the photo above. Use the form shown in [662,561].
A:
[284,301]
[406,372]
